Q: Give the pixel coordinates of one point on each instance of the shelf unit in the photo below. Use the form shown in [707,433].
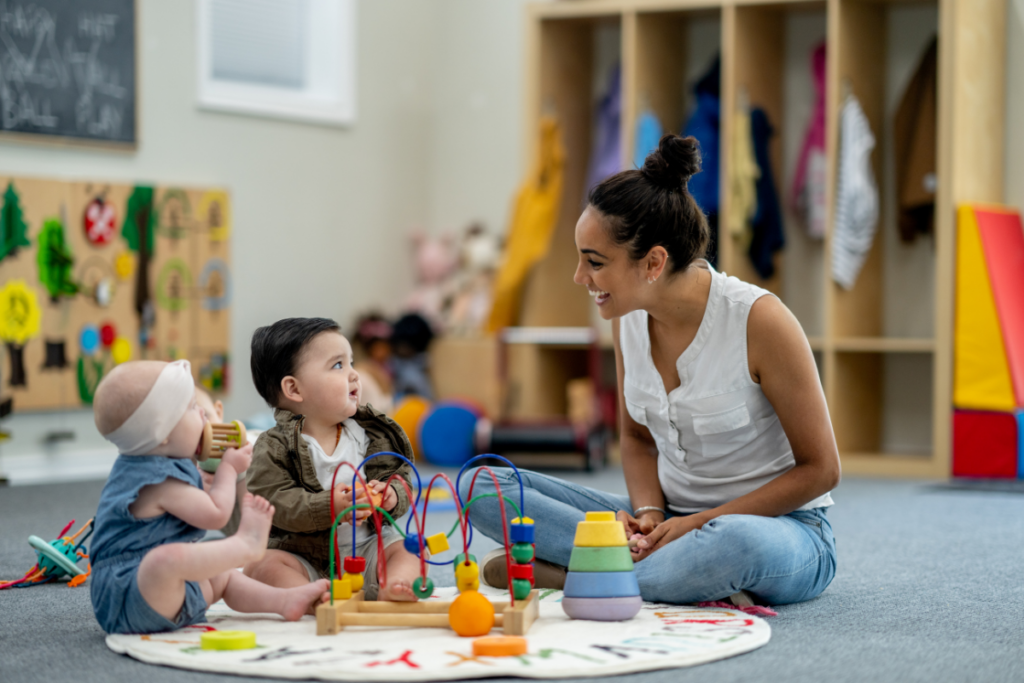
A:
[884,348]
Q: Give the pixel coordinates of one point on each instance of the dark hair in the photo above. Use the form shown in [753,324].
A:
[651,206]
[275,351]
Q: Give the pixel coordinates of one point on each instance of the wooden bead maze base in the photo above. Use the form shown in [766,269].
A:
[515,620]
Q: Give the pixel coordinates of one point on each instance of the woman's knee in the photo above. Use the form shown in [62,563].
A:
[742,536]
[480,481]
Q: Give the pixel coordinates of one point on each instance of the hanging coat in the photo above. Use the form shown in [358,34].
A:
[914,138]
[533,223]
[856,195]
[768,236]
[648,135]
[743,176]
[606,153]
[810,179]
[704,124]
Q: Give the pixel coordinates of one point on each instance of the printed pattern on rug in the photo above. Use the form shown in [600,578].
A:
[659,637]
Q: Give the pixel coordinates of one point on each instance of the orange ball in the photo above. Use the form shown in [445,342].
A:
[471,614]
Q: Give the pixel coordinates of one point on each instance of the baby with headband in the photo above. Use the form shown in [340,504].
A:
[148,574]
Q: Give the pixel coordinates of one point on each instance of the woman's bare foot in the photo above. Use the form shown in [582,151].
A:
[397,590]
[304,599]
[254,527]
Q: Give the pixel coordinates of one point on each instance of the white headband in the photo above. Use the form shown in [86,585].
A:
[159,413]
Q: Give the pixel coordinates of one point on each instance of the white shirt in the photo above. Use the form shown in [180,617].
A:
[717,434]
[351,448]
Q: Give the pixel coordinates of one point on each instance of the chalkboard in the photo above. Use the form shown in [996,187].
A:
[67,69]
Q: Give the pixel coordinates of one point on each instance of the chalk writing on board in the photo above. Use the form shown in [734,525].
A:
[67,68]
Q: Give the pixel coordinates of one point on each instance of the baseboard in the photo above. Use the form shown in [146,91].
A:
[52,468]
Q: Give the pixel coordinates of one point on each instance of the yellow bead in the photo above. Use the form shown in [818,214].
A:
[463,586]
[341,589]
[599,534]
[356,580]
[437,544]
[467,572]
[600,516]
[524,520]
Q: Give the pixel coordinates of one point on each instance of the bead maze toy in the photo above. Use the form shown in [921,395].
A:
[218,437]
[470,614]
[57,558]
[601,584]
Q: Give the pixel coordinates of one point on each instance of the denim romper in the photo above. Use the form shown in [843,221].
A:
[120,542]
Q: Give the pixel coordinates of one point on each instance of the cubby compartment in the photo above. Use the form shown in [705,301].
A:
[768,66]
[883,416]
[892,303]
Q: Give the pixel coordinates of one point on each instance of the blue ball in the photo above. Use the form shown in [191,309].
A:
[447,435]
[412,544]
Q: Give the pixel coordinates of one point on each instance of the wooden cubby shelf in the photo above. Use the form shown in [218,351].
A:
[883,348]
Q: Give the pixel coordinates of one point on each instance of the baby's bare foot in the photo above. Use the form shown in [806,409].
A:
[254,527]
[398,590]
[304,599]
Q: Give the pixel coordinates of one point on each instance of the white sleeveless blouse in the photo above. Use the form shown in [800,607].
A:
[718,437]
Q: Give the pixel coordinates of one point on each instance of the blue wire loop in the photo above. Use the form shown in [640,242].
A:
[458,494]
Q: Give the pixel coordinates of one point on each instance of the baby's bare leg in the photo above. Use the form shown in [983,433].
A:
[165,569]
[248,595]
[278,568]
[403,568]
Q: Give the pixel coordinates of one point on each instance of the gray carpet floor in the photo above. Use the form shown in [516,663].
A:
[930,587]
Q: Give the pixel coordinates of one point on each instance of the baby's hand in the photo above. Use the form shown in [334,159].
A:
[342,496]
[390,498]
[238,459]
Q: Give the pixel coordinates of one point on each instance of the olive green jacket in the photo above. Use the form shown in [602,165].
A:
[282,472]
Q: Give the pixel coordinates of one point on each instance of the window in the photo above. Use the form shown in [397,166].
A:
[292,59]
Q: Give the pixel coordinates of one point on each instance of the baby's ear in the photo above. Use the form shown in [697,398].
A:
[290,389]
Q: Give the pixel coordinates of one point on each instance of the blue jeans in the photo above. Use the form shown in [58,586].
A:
[780,560]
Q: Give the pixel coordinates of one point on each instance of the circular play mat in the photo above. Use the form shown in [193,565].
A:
[659,637]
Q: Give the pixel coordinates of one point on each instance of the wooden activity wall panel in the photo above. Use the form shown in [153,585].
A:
[93,274]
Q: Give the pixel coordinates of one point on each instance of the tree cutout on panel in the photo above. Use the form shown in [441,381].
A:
[138,231]
[55,260]
[19,322]
[13,228]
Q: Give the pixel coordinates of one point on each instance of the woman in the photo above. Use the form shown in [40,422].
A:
[727,447]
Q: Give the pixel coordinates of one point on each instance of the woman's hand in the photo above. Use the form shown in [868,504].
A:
[638,527]
[665,533]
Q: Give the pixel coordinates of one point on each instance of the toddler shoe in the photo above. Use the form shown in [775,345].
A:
[494,572]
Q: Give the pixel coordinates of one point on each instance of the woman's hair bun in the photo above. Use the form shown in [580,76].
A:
[671,165]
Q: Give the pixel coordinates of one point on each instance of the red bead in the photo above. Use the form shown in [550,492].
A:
[108,334]
[522,571]
[355,565]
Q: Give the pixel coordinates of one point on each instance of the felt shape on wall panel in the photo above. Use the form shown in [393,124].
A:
[12,224]
[981,374]
[1002,237]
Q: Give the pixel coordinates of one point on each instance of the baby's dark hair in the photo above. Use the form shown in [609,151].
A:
[276,349]
[651,206]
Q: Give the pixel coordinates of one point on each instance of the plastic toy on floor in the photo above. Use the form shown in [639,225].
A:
[470,614]
[601,584]
[57,559]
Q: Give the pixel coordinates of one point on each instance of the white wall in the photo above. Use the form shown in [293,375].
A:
[320,213]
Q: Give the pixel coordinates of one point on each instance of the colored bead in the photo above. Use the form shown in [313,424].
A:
[412,544]
[521,533]
[421,588]
[521,588]
[522,553]
[467,572]
[355,565]
[470,585]
[356,580]
[341,589]
[471,614]
[522,571]
[461,558]
[438,543]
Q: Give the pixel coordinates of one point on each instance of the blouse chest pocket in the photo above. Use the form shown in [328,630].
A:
[724,432]
[635,403]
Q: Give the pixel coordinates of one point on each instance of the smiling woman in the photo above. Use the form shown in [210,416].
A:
[727,447]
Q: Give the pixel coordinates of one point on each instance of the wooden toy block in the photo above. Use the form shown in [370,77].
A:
[356,611]
[217,438]
[985,444]
[601,585]
[437,544]
[610,559]
[600,534]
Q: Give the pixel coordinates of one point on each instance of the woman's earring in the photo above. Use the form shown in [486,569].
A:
[651,280]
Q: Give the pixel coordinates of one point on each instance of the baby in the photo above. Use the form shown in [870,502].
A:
[303,368]
[148,575]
